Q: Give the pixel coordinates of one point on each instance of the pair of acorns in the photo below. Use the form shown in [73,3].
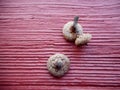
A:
[73,31]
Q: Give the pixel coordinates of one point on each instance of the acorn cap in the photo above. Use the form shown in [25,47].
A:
[58,64]
[69,31]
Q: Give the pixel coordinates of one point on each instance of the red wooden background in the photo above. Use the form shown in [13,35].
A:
[31,31]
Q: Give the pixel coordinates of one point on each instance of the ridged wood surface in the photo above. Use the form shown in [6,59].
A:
[31,31]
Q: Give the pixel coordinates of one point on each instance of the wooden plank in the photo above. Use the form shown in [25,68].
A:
[58,88]
[31,31]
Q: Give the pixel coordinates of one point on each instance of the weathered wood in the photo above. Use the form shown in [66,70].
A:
[31,31]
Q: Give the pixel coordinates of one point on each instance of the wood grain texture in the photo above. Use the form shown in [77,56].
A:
[31,31]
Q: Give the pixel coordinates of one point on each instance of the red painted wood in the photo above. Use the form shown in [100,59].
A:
[31,31]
